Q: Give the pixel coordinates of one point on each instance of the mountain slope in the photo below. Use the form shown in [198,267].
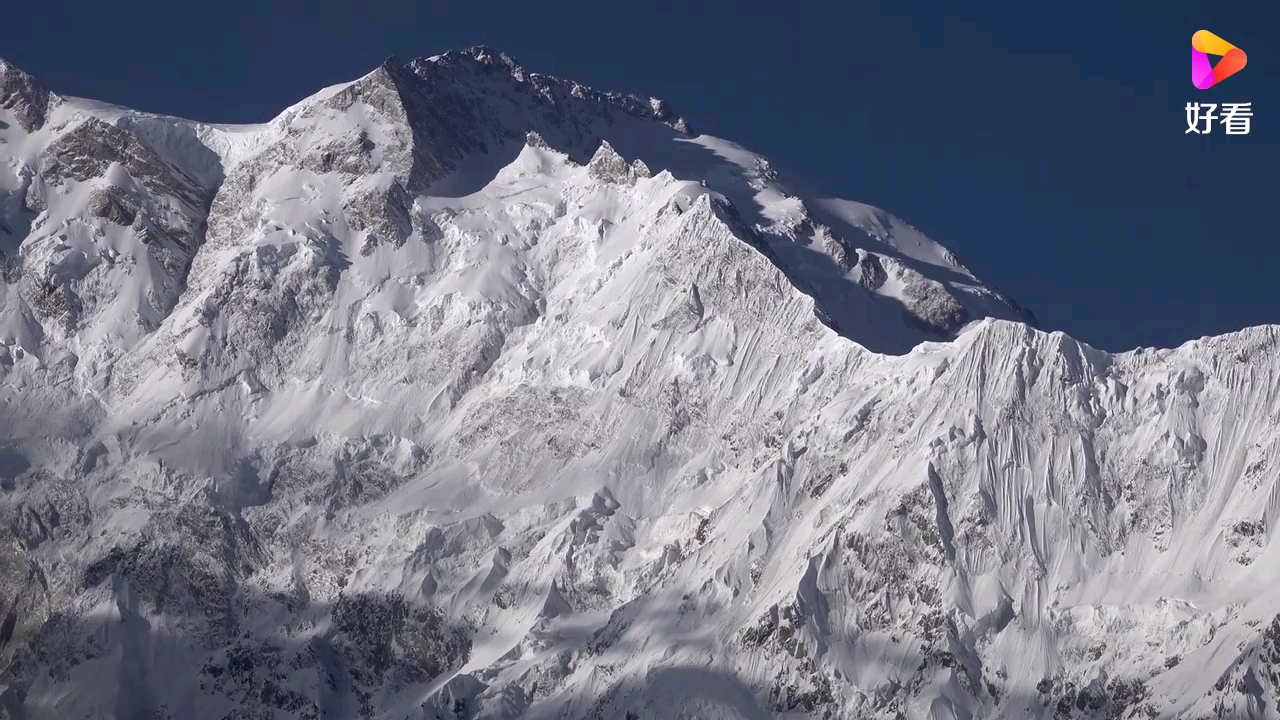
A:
[462,391]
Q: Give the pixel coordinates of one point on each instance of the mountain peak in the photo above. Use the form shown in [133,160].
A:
[606,164]
[392,64]
[433,372]
[23,95]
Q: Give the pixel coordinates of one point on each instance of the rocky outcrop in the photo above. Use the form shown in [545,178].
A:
[23,96]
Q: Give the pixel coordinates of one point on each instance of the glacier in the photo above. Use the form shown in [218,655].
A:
[462,391]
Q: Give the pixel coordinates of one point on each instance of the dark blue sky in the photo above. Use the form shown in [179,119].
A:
[1046,148]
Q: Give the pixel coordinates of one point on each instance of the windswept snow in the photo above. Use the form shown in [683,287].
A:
[459,391]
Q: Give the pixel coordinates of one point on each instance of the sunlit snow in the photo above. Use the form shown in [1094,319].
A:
[459,391]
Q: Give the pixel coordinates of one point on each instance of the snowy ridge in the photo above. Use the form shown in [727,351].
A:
[459,391]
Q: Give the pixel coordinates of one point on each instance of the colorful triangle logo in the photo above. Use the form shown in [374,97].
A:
[1204,44]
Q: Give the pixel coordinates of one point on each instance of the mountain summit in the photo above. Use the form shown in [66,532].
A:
[461,391]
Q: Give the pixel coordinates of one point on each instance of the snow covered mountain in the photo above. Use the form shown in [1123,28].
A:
[460,391]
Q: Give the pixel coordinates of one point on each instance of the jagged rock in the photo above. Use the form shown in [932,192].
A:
[92,146]
[929,304]
[382,214]
[608,166]
[22,95]
[871,274]
[111,205]
[836,248]
[534,140]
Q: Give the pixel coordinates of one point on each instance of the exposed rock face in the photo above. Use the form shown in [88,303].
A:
[461,391]
[102,229]
[23,96]
[871,274]
[928,303]
[608,166]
